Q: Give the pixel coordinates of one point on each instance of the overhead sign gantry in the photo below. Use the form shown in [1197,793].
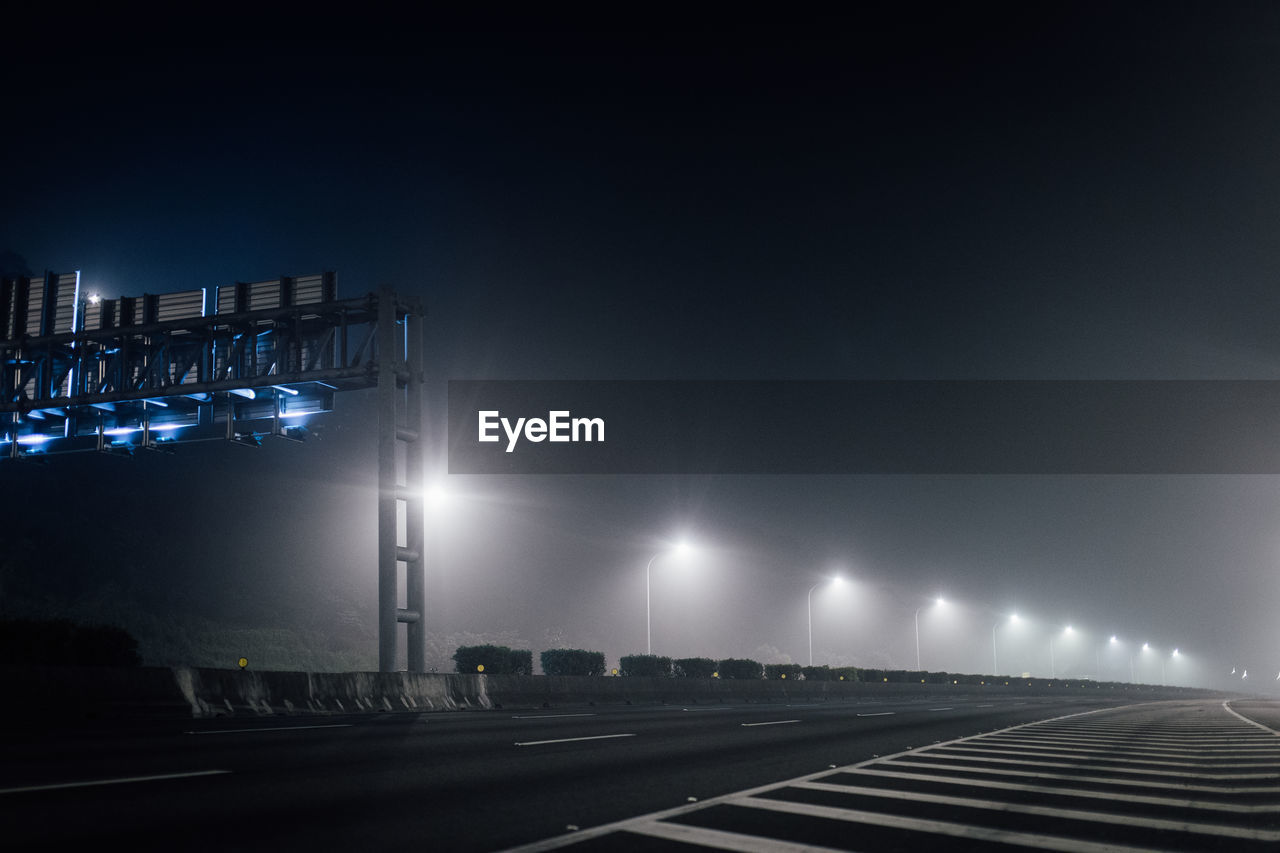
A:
[80,373]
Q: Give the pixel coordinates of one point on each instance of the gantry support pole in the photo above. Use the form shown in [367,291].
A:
[400,398]
[414,435]
[388,575]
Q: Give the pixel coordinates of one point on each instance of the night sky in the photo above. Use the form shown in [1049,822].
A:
[956,191]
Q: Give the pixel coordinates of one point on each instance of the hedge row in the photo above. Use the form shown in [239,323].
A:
[500,660]
[495,660]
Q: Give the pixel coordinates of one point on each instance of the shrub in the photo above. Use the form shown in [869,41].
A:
[521,662]
[740,668]
[650,666]
[817,673]
[496,660]
[572,662]
[776,671]
[694,667]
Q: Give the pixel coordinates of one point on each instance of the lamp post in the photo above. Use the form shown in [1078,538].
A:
[835,580]
[680,548]
[939,602]
[1053,669]
[995,661]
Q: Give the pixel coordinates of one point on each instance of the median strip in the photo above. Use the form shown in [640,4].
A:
[121,781]
[771,723]
[569,739]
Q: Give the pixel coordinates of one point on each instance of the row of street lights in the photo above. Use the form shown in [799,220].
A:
[683,547]
[438,496]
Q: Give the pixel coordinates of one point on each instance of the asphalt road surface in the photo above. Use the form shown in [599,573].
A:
[1184,775]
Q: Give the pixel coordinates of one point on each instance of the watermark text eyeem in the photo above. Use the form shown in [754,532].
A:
[557,427]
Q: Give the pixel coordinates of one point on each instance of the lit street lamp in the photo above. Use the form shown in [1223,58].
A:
[1053,669]
[835,581]
[680,548]
[939,602]
[995,661]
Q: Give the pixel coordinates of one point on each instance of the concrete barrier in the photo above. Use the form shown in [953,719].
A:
[214,692]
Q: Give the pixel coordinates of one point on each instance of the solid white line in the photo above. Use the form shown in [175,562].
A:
[121,781]
[939,827]
[942,709]
[770,723]
[1105,767]
[1233,711]
[1049,811]
[1181,802]
[879,714]
[696,710]
[547,716]
[570,739]
[1110,780]
[271,729]
[992,705]
[979,752]
[720,840]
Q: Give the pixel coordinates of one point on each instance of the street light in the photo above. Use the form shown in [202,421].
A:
[938,602]
[835,581]
[995,661]
[1053,669]
[679,548]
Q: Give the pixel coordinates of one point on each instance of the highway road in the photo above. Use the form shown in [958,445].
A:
[641,778]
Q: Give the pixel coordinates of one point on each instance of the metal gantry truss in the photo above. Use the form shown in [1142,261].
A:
[78,373]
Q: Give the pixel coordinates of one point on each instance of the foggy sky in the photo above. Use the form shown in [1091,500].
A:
[1086,193]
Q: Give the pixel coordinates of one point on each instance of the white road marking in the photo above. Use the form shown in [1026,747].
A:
[642,822]
[695,710]
[121,781]
[1049,811]
[1110,780]
[720,840]
[939,827]
[942,709]
[1179,800]
[770,723]
[879,714]
[547,716]
[571,739]
[1233,711]
[271,729]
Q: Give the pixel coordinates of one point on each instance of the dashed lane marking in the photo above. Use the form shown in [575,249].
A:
[571,739]
[124,780]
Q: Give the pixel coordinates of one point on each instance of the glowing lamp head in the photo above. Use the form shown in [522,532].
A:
[94,299]
[1114,639]
[1146,647]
